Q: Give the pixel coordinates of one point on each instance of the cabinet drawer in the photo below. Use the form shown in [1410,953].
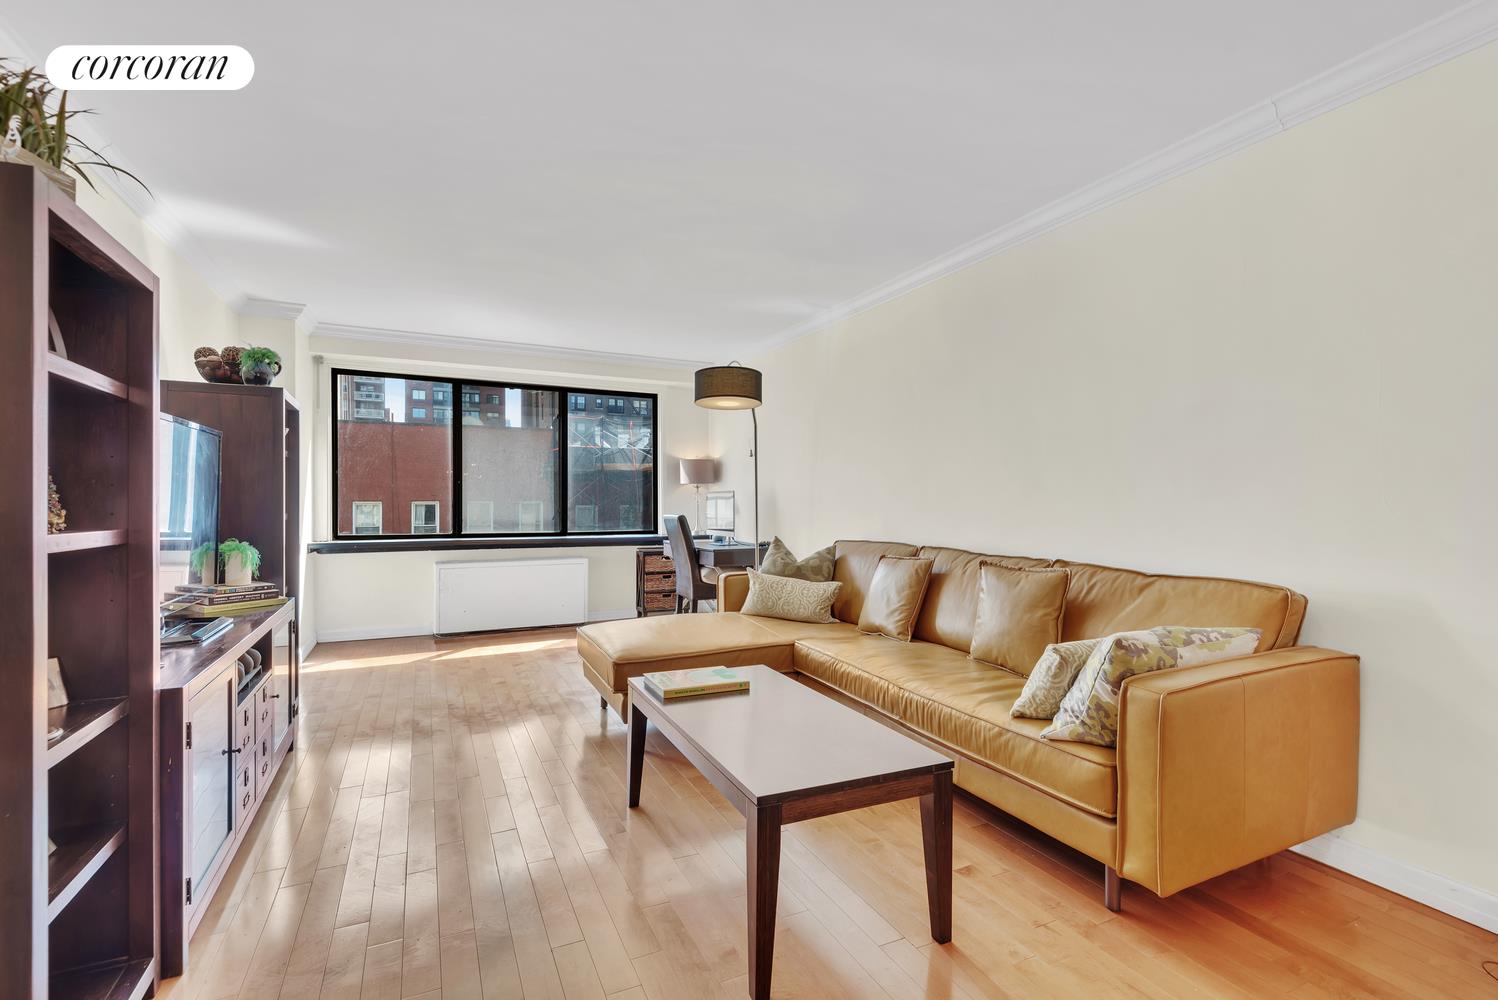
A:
[244,789]
[262,761]
[660,602]
[656,583]
[244,727]
[658,564]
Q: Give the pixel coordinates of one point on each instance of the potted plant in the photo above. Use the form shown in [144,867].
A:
[200,563]
[240,560]
[258,365]
[33,133]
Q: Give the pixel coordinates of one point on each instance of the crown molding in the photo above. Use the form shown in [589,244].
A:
[344,331]
[1460,31]
[249,305]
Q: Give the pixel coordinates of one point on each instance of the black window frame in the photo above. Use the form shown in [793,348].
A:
[456,499]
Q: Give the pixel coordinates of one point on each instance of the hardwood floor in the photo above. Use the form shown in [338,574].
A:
[453,825]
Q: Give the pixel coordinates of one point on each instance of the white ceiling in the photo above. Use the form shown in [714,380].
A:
[670,179]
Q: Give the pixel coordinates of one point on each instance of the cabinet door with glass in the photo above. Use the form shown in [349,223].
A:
[283,661]
[209,817]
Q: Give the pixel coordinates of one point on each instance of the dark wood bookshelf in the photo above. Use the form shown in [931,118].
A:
[83,920]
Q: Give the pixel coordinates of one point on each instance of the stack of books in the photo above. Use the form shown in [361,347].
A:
[669,684]
[203,601]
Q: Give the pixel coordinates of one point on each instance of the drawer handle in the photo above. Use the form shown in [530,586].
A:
[230,751]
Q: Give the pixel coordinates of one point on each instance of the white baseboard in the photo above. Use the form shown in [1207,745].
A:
[1475,906]
[372,632]
[425,628]
[307,648]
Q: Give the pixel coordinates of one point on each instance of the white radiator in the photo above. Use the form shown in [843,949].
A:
[512,593]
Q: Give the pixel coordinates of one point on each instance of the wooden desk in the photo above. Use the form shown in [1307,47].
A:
[722,555]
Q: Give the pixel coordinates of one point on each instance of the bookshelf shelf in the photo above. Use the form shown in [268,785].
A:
[81,721]
[80,541]
[81,852]
[84,377]
[116,981]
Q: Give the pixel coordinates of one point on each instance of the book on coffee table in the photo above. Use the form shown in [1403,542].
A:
[668,684]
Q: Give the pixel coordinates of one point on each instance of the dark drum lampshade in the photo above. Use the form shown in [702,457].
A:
[728,387]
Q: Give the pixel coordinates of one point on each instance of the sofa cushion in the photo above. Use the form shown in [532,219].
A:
[1019,615]
[854,569]
[795,631]
[951,604]
[790,598]
[619,650]
[1102,600]
[895,596]
[961,703]
[816,568]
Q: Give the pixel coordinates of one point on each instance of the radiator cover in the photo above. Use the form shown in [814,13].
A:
[491,595]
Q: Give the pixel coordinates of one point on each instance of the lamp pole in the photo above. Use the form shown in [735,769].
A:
[754,415]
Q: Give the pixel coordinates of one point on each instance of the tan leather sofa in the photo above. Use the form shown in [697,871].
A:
[1217,765]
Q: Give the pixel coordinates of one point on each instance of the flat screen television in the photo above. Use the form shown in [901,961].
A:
[187,494]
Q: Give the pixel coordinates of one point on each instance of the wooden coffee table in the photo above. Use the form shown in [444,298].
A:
[780,753]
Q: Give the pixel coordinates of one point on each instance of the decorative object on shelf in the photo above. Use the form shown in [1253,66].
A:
[39,135]
[211,366]
[259,365]
[230,356]
[57,515]
[735,387]
[240,562]
[57,691]
[697,473]
[55,332]
[201,563]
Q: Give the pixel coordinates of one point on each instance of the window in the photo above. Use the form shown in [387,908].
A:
[368,517]
[402,457]
[424,517]
[478,515]
[518,460]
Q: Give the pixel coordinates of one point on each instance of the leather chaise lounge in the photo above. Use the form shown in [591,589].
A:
[1217,765]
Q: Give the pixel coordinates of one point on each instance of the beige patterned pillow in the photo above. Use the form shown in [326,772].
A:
[1089,712]
[1051,678]
[817,567]
[792,600]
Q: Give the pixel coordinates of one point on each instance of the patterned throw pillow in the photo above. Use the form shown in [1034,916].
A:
[817,567]
[1051,677]
[1089,712]
[791,600]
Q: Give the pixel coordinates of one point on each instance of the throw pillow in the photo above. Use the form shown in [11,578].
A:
[779,561]
[1089,712]
[792,600]
[1019,614]
[1052,677]
[895,595]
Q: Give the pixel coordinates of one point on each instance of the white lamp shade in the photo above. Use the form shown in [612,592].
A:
[698,471]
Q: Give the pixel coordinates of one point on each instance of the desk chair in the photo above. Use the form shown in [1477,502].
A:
[693,582]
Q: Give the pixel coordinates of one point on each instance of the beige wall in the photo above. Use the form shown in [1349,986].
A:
[383,594]
[1282,366]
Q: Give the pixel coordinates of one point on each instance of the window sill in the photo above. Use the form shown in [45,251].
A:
[345,545]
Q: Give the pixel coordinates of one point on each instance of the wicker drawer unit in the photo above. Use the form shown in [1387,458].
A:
[655,582]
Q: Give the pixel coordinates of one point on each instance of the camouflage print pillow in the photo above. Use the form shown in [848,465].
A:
[1089,712]
[1052,677]
[816,568]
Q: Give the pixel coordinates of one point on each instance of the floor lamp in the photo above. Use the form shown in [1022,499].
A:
[734,387]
